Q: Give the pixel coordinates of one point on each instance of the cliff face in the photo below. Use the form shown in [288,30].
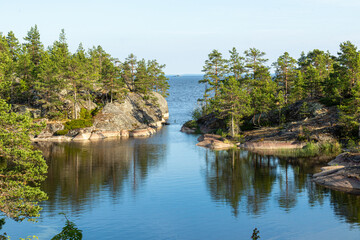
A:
[134,116]
[132,113]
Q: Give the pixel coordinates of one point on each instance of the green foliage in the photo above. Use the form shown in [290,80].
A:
[215,69]
[85,114]
[312,149]
[304,110]
[191,124]
[30,238]
[61,132]
[255,234]
[46,79]
[197,113]
[285,74]
[233,103]
[2,222]
[22,169]
[69,232]
[304,135]
[335,80]
[78,123]
[221,132]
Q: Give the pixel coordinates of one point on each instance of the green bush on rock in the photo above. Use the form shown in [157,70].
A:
[61,132]
[78,123]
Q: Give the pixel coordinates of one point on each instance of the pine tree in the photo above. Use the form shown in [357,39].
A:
[349,59]
[14,50]
[14,45]
[215,70]
[24,84]
[285,74]
[22,169]
[159,82]
[84,71]
[141,79]
[263,93]
[316,67]
[236,64]
[5,69]
[350,113]
[111,77]
[254,60]
[128,71]
[232,102]
[35,49]
[298,91]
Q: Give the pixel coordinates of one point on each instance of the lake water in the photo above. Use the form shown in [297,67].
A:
[164,187]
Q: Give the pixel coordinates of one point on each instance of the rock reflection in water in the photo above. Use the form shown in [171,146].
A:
[246,180]
[78,172]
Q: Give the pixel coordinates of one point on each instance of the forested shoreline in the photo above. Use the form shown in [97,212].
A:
[242,90]
[69,89]
[55,80]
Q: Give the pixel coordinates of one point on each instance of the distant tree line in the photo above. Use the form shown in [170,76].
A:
[242,87]
[50,78]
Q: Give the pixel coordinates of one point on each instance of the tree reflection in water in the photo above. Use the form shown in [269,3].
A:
[252,179]
[78,172]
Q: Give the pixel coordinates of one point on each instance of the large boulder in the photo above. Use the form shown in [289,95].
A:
[214,142]
[133,113]
[343,173]
[50,129]
[134,116]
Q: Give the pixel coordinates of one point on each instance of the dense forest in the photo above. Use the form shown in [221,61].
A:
[55,80]
[242,87]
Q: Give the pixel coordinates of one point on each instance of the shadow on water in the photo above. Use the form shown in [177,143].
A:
[237,177]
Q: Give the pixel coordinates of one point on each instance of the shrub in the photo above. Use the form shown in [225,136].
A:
[61,132]
[311,149]
[191,124]
[220,132]
[85,114]
[78,123]
[197,113]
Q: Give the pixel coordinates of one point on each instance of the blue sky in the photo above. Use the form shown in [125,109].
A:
[180,34]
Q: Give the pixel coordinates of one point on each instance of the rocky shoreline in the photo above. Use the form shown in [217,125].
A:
[133,117]
[343,173]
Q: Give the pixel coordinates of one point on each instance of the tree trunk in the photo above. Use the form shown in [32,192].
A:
[232,125]
[75,100]
[259,120]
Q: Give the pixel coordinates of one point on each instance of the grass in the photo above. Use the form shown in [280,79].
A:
[312,149]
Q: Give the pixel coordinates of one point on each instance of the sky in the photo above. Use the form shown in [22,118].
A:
[182,33]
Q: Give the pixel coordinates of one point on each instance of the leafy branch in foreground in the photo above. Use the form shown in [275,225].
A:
[69,231]
[22,168]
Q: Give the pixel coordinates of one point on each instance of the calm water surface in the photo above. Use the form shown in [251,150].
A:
[164,187]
